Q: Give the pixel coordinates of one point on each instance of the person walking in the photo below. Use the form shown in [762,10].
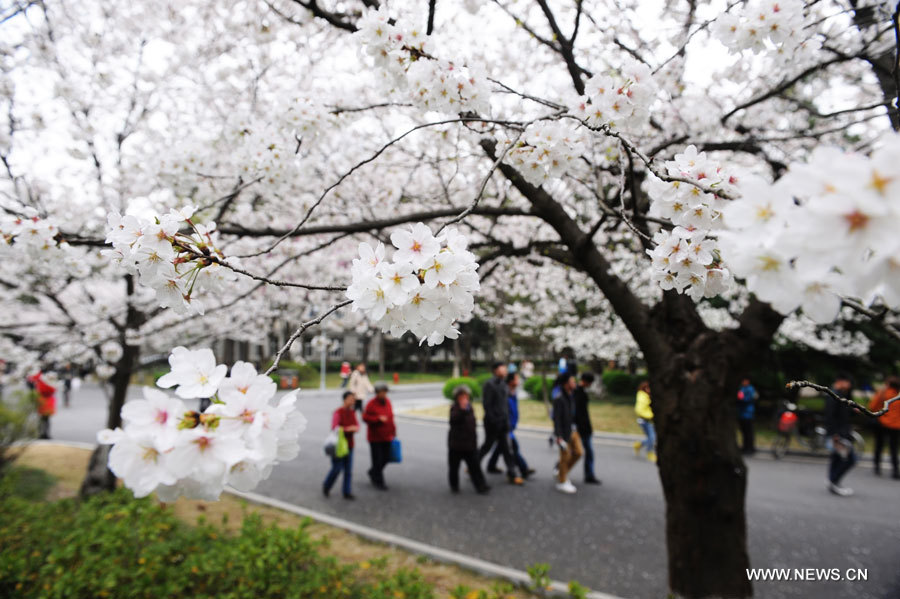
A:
[462,441]
[45,387]
[567,439]
[360,385]
[645,420]
[888,425]
[345,373]
[747,397]
[839,431]
[512,382]
[343,418]
[495,397]
[67,376]
[527,370]
[584,427]
[379,416]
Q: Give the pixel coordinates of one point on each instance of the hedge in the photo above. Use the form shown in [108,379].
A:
[618,382]
[473,384]
[533,386]
[116,546]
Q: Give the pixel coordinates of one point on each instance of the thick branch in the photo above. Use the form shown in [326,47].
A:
[365,226]
[634,313]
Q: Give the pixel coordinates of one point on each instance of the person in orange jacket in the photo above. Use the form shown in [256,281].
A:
[46,401]
[888,426]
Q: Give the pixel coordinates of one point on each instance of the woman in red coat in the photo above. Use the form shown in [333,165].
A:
[345,419]
[46,403]
[379,417]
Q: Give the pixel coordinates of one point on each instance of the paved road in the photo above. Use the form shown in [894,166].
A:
[610,538]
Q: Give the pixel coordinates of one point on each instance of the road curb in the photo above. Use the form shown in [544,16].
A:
[468,562]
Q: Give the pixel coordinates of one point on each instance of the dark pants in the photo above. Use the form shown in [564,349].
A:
[839,466]
[588,455]
[893,439]
[44,427]
[748,441]
[338,465]
[381,453]
[471,460]
[516,453]
[500,436]
[358,405]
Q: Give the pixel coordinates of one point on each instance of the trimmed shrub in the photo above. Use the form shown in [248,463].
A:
[483,378]
[618,382]
[533,386]
[113,545]
[473,384]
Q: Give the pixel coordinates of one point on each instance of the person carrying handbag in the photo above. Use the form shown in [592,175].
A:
[344,422]
[379,416]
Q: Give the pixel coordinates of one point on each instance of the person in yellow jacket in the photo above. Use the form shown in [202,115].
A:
[645,419]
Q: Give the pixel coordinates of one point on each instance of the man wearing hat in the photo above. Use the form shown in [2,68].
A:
[379,416]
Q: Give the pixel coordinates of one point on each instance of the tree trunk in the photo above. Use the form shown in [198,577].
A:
[703,475]
[99,478]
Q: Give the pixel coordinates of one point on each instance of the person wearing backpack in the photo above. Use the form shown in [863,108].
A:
[344,419]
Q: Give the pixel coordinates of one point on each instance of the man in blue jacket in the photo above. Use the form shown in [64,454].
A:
[747,397]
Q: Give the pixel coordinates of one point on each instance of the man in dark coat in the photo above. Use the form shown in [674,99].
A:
[583,425]
[566,436]
[462,441]
[496,420]
[840,433]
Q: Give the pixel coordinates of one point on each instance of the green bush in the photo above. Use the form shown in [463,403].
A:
[483,378]
[462,380]
[16,424]
[305,372]
[618,382]
[116,546]
[533,386]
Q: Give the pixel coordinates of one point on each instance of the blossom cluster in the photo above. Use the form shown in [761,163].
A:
[687,258]
[402,54]
[38,242]
[425,289]
[164,446]
[618,99]
[825,230]
[763,25]
[177,265]
[546,151]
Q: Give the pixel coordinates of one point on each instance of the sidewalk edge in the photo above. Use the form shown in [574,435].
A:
[477,565]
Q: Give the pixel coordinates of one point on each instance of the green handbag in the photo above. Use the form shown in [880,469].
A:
[343,447]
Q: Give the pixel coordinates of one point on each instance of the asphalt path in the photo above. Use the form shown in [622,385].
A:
[609,537]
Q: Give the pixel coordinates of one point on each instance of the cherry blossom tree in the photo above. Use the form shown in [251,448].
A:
[652,162]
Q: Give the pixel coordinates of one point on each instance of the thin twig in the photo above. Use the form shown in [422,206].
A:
[300,331]
[484,183]
[844,400]
[359,165]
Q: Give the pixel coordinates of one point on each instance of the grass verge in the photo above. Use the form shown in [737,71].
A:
[53,472]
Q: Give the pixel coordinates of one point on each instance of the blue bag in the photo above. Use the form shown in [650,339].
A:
[396,452]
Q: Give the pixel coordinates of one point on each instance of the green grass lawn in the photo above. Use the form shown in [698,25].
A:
[616,415]
[333,379]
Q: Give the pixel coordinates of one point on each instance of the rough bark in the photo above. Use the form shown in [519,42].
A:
[98,477]
[702,472]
